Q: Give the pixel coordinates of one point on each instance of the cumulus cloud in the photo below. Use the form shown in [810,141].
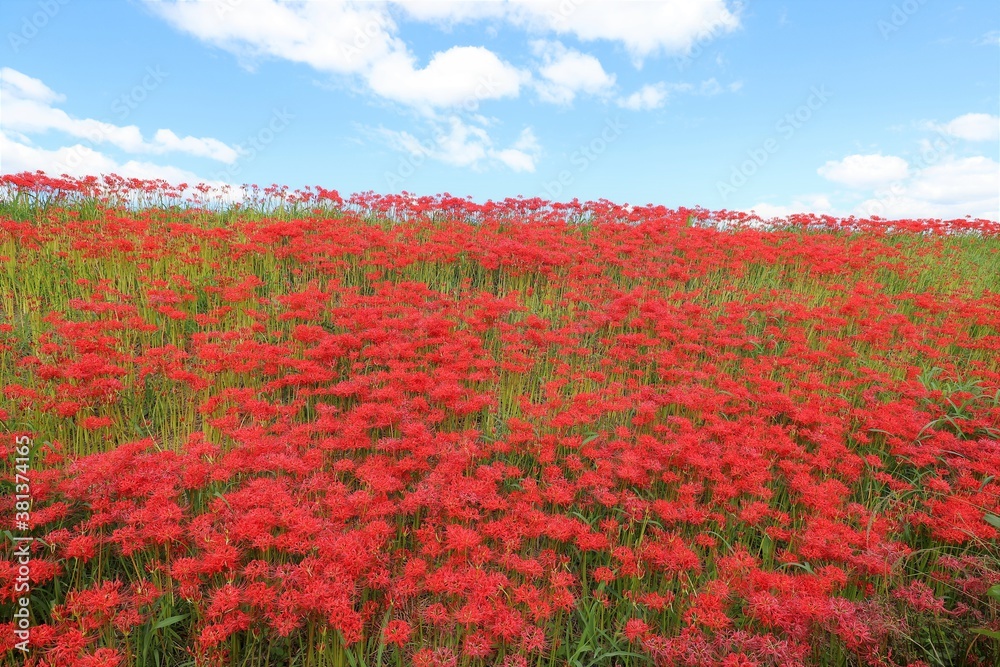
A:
[79,160]
[523,154]
[974,127]
[28,110]
[361,39]
[865,172]
[956,188]
[449,12]
[20,86]
[644,29]
[357,39]
[338,37]
[462,75]
[361,42]
[564,73]
[953,188]
[937,184]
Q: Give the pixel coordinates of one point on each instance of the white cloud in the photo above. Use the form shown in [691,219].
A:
[338,37]
[404,142]
[23,87]
[165,141]
[954,188]
[974,127]
[865,172]
[644,28]
[567,72]
[27,110]
[462,144]
[361,39]
[460,75]
[357,39]
[958,180]
[452,11]
[523,155]
[936,184]
[650,96]
[79,160]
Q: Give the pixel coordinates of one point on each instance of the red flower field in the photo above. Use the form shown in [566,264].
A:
[387,430]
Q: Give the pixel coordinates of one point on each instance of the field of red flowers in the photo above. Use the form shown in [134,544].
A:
[385,430]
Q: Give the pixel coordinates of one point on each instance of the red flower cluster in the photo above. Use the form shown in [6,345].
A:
[308,430]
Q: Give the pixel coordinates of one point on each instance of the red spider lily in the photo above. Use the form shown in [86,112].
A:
[734,445]
[397,632]
[635,629]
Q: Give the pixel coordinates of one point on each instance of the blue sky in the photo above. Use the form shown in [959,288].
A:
[857,107]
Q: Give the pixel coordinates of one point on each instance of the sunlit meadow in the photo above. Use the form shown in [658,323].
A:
[314,431]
